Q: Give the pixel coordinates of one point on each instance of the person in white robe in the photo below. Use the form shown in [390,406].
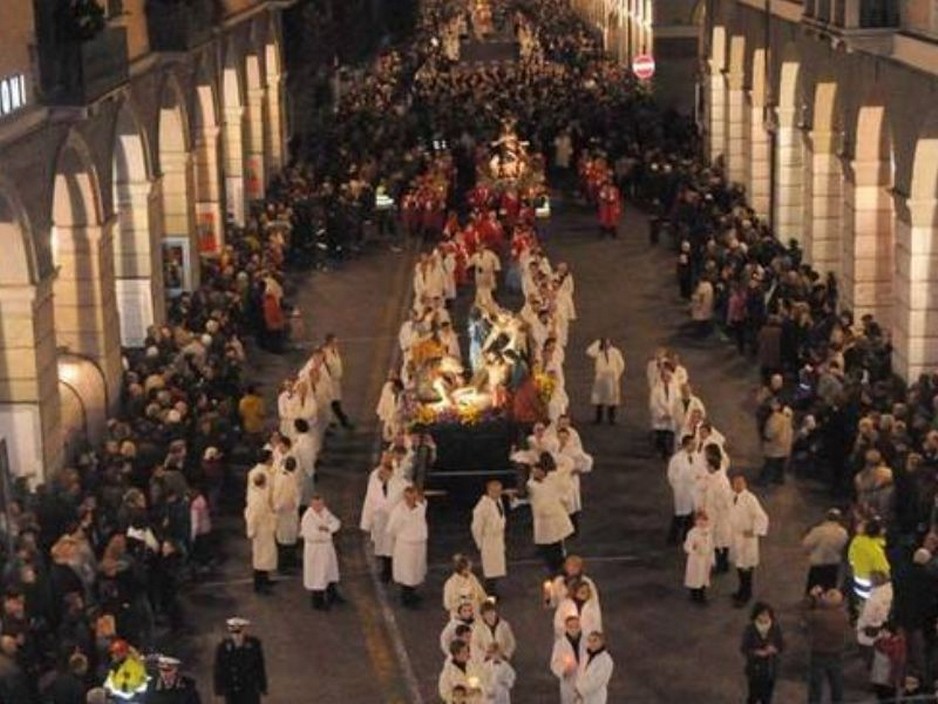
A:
[685,405]
[578,462]
[486,265]
[708,436]
[304,406]
[462,586]
[564,287]
[699,548]
[286,501]
[385,490]
[491,628]
[306,453]
[407,528]
[488,533]
[448,268]
[594,672]
[261,528]
[551,520]
[459,672]
[557,590]
[450,340]
[715,498]
[569,650]
[332,361]
[559,402]
[661,411]
[388,408]
[320,563]
[428,278]
[459,625]
[578,602]
[749,522]
[286,408]
[653,367]
[684,470]
[498,676]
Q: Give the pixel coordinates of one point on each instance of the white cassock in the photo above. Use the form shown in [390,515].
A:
[699,548]
[286,498]
[746,515]
[488,532]
[448,634]
[261,527]
[608,367]
[450,343]
[387,411]
[579,463]
[558,590]
[376,510]
[564,293]
[549,511]
[683,474]
[558,404]
[320,564]
[592,679]
[305,451]
[498,678]
[717,496]
[407,527]
[448,267]
[333,363]
[682,414]
[661,405]
[428,282]
[461,588]
[305,407]
[591,617]
[564,663]
[483,635]
[285,411]
[715,438]
[453,676]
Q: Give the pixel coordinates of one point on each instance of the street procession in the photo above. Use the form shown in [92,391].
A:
[502,392]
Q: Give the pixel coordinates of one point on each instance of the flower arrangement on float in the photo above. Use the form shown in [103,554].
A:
[545,384]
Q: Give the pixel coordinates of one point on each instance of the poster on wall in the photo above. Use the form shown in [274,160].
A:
[177,265]
[234,198]
[207,228]
[255,177]
[135,306]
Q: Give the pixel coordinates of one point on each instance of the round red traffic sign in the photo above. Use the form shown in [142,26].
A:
[643,66]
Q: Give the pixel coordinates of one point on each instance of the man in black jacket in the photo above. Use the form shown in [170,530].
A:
[240,675]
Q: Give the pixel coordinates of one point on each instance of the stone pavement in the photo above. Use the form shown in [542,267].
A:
[666,650]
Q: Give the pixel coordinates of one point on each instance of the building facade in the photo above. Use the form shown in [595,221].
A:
[827,112]
[127,136]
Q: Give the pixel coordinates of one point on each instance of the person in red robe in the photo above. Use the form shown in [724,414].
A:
[610,209]
[492,234]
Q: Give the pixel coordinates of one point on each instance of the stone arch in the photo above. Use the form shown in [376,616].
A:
[736,153]
[868,240]
[138,274]
[179,236]
[276,114]
[915,322]
[86,320]
[255,134]
[788,218]
[823,179]
[758,144]
[30,413]
[207,155]
[233,134]
[716,95]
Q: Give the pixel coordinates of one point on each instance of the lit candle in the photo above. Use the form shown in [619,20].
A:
[548,592]
[473,682]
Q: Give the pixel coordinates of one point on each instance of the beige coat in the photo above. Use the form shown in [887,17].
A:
[701,307]
[778,435]
[261,524]
[488,532]
[551,521]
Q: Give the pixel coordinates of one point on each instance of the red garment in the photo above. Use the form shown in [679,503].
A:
[510,208]
[610,206]
[273,313]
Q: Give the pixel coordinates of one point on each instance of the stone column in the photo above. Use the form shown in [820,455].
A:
[233,163]
[86,319]
[823,204]
[759,163]
[274,125]
[736,155]
[915,317]
[256,151]
[869,246]
[789,179]
[209,215]
[30,419]
[716,111]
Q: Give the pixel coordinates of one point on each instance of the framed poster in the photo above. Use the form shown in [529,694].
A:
[177,265]
[207,227]
[135,305]
[234,198]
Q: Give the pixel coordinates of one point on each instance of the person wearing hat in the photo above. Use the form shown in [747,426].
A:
[240,675]
[825,544]
[171,687]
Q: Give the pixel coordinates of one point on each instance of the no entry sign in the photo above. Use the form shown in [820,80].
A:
[643,66]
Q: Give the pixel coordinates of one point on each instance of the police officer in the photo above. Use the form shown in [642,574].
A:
[169,686]
[240,676]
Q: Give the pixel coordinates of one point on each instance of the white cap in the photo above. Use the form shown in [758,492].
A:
[167,661]
[237,622]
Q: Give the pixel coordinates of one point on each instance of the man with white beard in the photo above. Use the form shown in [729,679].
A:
[320,564]
[488,532]
[684,471]
[407,527]
[385,490]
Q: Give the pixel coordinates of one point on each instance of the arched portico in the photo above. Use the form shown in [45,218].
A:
[233,138]
[716,93]
[788,218]
[30,418]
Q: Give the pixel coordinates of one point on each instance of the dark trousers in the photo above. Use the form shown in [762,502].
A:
[826,576]
[664,443]
[680,525]
[722,561]
[409,596]
[744,593]
[243,698]
[825,666]
[773,470]
[385,563]
[262,581]
[552,554]
[610,414]
[699,596]
[760,690]
[340,414]
[286,558]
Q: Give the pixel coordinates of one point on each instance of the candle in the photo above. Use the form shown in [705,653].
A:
[548,592]
[473,682]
